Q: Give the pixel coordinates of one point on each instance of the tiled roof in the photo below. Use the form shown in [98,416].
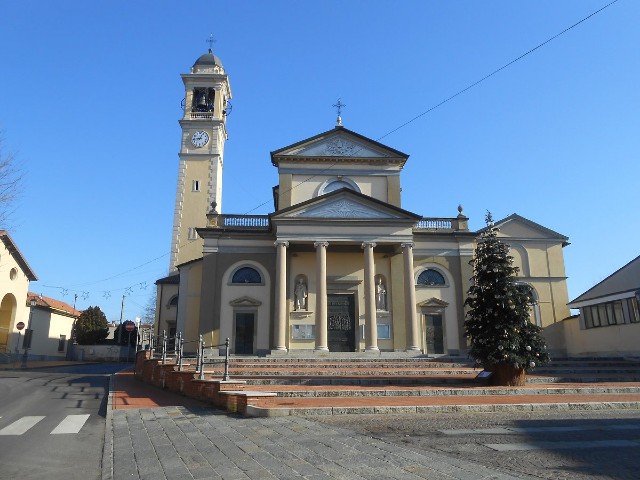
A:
[53,304]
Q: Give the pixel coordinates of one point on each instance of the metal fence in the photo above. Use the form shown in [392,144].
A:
[171,350]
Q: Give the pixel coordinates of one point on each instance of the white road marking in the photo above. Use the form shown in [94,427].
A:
[20,426]
[71,424]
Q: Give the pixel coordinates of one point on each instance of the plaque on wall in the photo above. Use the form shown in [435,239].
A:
[303,332]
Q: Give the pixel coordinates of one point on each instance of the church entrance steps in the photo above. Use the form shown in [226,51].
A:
[292,386]
[291,391]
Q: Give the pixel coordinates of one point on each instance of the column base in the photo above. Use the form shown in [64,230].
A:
[321,349]
[279,350]
[413,349]
[371,349]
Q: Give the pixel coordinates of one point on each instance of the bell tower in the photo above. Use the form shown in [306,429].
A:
[204,133]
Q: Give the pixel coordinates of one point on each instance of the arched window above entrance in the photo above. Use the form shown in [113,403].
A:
[431,277]
[246,275]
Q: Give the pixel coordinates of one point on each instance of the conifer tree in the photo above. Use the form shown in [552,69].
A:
[497,321]
[91,327]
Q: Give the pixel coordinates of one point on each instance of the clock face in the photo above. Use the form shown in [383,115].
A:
[200,139]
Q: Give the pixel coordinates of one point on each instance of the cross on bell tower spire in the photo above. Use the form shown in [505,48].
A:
[210,41]
[339,106]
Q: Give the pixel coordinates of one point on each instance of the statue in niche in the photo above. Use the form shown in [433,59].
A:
[300,293]
[381,295]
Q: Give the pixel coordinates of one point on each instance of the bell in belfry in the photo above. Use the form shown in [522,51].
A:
[202,102]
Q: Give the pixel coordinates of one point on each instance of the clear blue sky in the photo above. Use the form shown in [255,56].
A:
[90,100]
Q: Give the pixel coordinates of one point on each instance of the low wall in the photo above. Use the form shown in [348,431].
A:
[567,339]
[102,353]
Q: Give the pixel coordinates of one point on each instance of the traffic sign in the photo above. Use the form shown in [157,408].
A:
[129,326]
[20,325]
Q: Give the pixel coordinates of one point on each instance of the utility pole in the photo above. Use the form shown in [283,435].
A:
[120,327]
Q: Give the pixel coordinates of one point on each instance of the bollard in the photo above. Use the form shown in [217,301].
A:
[151,350]
[201,358]
[164,347]
[180,353]
[225,377]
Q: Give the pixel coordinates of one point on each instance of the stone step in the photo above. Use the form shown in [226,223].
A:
[317,392]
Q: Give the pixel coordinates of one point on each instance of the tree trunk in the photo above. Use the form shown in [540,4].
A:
[506,375]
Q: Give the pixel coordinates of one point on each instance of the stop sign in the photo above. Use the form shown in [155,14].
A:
[129,326]
[20,325]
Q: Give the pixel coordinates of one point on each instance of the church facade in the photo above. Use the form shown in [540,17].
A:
[339,265]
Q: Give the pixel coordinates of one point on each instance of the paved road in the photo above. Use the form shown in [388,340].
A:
[562,445]
[52,422]
[181,443]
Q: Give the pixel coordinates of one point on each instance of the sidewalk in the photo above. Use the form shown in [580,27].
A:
[35,364]
[128,392]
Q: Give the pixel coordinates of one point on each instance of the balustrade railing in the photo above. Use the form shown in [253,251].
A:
[200,115]
[244,221]
[437,224]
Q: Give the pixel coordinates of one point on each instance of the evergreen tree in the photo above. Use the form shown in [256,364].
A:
[91,327]
[497,321]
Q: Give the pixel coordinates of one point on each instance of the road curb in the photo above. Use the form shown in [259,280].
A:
[107,448]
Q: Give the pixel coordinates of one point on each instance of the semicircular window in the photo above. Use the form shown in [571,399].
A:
[431,277]
[337,185]
[246,275]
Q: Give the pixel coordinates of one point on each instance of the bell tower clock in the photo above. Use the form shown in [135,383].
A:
[204,133]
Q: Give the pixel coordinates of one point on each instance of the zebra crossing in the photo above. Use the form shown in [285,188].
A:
[70,424]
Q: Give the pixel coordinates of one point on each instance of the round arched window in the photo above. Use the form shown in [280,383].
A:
[246,275]
[431,277]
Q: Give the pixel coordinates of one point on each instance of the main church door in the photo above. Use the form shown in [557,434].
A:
[341,323]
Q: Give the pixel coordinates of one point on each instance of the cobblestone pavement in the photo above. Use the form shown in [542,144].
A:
[190,443]
[554,445]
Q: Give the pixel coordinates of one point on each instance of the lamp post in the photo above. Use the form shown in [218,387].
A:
[26,343]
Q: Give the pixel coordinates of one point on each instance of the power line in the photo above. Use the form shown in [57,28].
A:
[448,99]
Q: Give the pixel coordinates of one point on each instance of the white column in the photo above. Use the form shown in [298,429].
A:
[321,296]
[410,298]
[280,337]
[371,329]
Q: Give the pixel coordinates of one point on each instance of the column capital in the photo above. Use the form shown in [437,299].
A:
[321,244]
[407,245]
[284,243]
[369,244]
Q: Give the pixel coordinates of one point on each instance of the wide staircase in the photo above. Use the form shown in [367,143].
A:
[289,385]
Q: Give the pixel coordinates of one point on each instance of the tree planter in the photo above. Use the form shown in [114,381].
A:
[506,375]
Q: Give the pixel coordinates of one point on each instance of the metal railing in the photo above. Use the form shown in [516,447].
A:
[163,346]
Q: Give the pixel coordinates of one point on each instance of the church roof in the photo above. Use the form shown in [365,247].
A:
[364,147]
[207,60]
[626,279]
[514,217]
[171,279]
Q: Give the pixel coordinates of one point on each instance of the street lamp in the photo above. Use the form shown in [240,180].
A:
[26,343]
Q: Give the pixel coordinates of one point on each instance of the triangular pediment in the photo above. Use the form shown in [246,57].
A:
[515,226]
[338,143]
[245,302]
[345,204]
[433,302]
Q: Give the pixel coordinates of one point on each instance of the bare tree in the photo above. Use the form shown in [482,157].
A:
[149,314]
[11,176]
